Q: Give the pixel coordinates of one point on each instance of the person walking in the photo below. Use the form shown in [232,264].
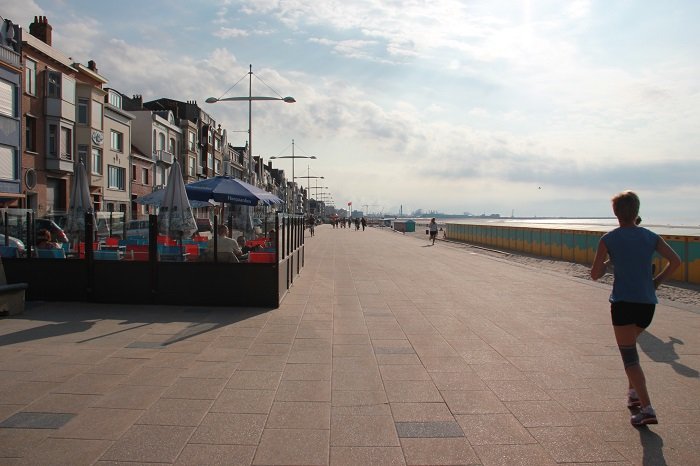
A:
[433,228]
[633,298]
[311,223]
[364,223]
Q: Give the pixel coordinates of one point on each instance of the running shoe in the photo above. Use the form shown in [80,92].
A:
[633,402]
[644,418]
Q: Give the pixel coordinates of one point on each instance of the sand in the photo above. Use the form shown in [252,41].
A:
[685,294]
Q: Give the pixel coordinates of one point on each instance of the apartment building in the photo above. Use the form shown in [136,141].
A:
[10,113]
[117,154]
[52,84]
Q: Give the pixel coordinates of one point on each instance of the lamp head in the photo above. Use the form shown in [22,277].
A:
[289,100]
[211,100]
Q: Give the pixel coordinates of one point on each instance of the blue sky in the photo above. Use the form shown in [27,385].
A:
[543,108]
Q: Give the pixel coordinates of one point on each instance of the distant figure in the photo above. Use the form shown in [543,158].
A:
[272,239]
[364,223]
[44,241]
[241,244]
[349,221]
[357,223]
[433,227]
[311,221]
[633,298]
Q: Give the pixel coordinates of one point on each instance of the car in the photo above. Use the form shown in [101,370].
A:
[15,242]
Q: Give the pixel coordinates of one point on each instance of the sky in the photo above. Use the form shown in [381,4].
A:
[526,108]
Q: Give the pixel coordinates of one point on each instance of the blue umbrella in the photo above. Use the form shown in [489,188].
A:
[156,199]
[230,190]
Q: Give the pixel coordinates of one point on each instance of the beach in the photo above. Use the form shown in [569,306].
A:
[680,293]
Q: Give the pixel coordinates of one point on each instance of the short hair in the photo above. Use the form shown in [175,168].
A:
[222,229]
[626,206]
[44,234]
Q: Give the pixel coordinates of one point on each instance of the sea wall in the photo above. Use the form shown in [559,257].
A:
[570,245]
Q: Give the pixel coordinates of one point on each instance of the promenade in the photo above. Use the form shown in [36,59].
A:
[386,351]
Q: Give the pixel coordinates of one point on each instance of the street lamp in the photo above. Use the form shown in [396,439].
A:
[293,157]
[308,181]
[249,99]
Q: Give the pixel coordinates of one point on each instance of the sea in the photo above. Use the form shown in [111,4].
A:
[572,223]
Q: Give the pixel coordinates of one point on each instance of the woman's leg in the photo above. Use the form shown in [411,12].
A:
[626,336]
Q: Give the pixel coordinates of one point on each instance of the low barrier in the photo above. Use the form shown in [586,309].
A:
[570,245]
[152,281]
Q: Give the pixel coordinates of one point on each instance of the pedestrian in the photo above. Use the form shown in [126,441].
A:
[364,223]
[433,227]
[357,223]
[311,223]
[633,298]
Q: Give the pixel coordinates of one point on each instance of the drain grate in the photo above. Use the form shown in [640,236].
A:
[26,420]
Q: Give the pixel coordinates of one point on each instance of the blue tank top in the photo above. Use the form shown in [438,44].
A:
[631,250]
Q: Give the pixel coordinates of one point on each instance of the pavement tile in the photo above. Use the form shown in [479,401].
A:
[22,393]
[175,412]
[357,380]
[299,415]
[404,372]
[60,403]
[429,429]
[457,381]
[225,355]
[473,402]
[216,455]
[354,364]
[398,359]
[498,371]
[99,424]
[304,390]
[585,399]
[67,451]
[254,380]
[307,372]
[123,366]
[541,413]
[369,431]
[154,376]
[316,356]
[269,349]
[493,429]
[195,388]
[32,420]
[513,455]
[351,339]
[422,451]
[263,363]
[147,443]
[243,401]
[421,412]
[352,351]
[228,428]
[575,444]
[376,456]
[412,391]
[516,390]
[292,447]
[129,397]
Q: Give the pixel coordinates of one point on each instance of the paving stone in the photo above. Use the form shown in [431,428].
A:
[379,456]
[428,429]
[146,344]
[369,431]
[421,451]
[228,428]
[199,454]
[26,420]
[293,446]
[149,444]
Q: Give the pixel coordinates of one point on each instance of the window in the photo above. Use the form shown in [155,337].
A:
[115,99]
[161,141]
[8,163]
[117,139]
[116,177]
[171,145]
[96,161]
[218,166]
[133,173]
[192,138]
[53,84]
[83,111]
[154,140]
[209,137]
[217,144]
[82,154]
[53,135]
[210,161]
[8,99]
[30,133]
[68,89]
[192,166]
[30,77]
[66,143]
[96,114]
[144,176]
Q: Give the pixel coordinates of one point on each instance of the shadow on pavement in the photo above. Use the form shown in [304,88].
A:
[662,351]
[652,444]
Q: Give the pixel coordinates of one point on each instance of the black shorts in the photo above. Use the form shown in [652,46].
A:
[639,314]
[433,234]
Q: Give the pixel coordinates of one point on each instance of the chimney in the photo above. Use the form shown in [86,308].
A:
[41,29]
[92,65]
[138,100]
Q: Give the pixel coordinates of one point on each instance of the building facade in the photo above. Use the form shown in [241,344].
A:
[10,113]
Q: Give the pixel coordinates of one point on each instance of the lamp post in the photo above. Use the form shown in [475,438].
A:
[308,181]
[250,98]
[293,157]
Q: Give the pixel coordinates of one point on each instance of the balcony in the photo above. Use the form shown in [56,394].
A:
[58,108]
[63,164]
[10,56]
[163,157]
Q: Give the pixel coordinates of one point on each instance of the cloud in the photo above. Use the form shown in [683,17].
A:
[228,33]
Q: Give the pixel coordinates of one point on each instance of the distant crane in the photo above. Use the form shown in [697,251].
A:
[367,206]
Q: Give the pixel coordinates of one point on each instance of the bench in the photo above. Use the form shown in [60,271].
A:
[11,295]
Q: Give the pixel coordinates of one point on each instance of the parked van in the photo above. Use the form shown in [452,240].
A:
[137,229]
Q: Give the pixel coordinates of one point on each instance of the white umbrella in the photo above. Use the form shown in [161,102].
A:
[80,204]
[175,216]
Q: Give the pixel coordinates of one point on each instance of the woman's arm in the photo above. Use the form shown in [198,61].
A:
[599,264]
[670,255]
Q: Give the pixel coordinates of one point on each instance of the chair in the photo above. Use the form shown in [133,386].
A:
[261,257]
[112,242]
[192,252]
[136,252]
[106,255]
[51,253]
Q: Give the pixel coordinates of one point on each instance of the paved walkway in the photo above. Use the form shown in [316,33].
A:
[386,351]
